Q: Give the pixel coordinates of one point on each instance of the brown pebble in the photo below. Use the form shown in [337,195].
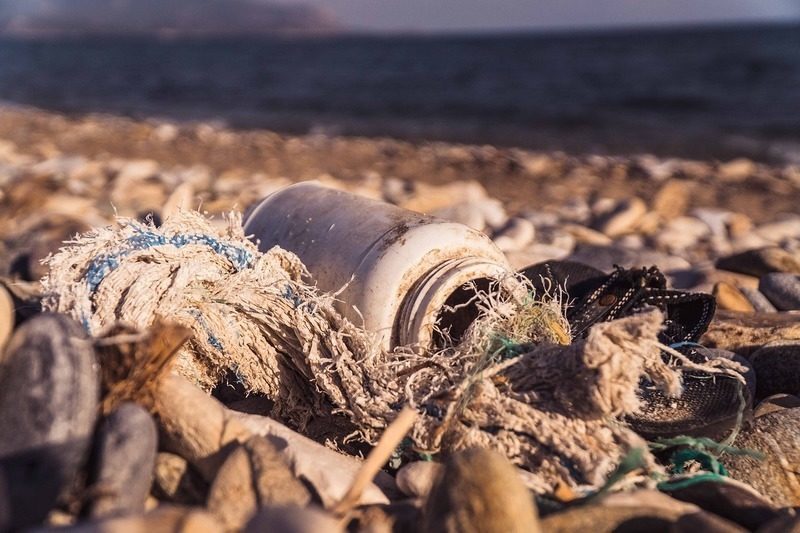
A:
[175,481]
[776,477]
[416,479]
[180,200]
[672,199]
[252,476]
[731,299]
[6,318]
[479,491]
[705,522]
[745,333]
[776,402]
[623,218]
[728,499]
[761,261]
[293,519]
[164,519]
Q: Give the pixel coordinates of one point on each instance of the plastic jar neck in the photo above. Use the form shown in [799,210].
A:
[425,303]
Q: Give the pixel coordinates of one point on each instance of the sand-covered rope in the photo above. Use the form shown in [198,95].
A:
[554,410]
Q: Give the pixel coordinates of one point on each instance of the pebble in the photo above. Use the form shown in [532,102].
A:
[48,406]
[776,402]
[777,367]
[536,253]
[737,170]
[293,519]
[732,299]
[479,491]
[672,199]
[757,299]
[175,481]
[631,242]
[181,199]
[575,210]
[430,199]
[397,191]
[125,453]
[416,479]
[556,237]
[783,290]
[775,434]
[6,318]
[494,214]
[623,218]
[164,519]
[745,333]
[646,509]
[787,523]
[45,239]
[467,213]
[729,499]
[582,234]
[759,262]
[681,233]
[705,522]
[252,476]
[516,235]
[605,257]
[780,230]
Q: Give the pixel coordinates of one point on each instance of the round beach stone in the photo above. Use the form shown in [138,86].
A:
[515,235]
[416,479]
[761,261]
[623,217]
[783,290]
[6,318]
[776,402]
[729,499]
[48,406]
[757,299]
[731,298]
[673,198]
[479,491]
[125,453]
[293,519]
[775,435]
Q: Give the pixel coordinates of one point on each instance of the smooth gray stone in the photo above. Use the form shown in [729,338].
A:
[293,519]
[605,257]
[783,290]
[48,405]
[124,457]
[757,299]
[760,261]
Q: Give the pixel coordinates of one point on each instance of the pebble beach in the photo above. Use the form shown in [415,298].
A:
[728,228]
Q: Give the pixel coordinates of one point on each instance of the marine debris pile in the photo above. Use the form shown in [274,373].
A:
[158,370]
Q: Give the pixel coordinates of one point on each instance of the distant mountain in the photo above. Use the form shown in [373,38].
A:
[160,17]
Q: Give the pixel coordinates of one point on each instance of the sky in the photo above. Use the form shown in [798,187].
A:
[453,15]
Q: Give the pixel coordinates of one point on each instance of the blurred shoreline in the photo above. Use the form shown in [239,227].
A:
[702,93]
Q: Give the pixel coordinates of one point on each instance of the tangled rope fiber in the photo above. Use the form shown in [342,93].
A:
[554,410]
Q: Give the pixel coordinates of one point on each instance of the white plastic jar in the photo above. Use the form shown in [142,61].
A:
[402,271]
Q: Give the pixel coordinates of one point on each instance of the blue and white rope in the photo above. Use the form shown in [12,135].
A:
[102,266]
[143,239]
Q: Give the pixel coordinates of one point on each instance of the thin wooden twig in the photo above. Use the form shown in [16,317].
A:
[378,457]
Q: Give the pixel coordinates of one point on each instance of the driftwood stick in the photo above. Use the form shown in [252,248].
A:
[381,453]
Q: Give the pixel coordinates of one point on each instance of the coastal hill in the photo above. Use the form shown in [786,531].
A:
[166,18]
